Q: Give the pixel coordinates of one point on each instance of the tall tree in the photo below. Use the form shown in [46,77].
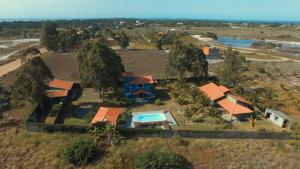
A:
[234,65]
[123,40]
[186,58]
[68,40]
[31,81]
[49,36]
[99,66]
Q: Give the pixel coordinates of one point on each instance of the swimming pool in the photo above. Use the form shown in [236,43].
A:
[149,117]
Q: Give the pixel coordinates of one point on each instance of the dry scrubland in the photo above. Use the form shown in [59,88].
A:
[20,149]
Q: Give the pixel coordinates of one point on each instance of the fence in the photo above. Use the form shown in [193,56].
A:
[41,127]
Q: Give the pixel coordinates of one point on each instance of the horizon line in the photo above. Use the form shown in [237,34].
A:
[148,18]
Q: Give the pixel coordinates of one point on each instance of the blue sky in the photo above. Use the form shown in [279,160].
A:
[283,10]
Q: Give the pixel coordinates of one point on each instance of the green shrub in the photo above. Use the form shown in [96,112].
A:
[157,102]
[89,116]
[261,70]
[124,116]
[81,152]
[156,159]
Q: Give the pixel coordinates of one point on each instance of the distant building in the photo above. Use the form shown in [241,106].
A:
[278,118]
[212,53]
[161,34]
[138,88]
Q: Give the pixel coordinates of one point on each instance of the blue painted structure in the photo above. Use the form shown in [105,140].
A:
[138,88]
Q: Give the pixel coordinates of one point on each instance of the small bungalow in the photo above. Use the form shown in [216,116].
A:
[138,88]
[61,88]
[212,53]
[214,92]
[236,106]
[279,118]
[108,115]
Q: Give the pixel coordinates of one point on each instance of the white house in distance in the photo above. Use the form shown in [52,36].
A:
[278,118]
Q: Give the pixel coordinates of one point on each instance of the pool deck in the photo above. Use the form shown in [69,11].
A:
[168,115]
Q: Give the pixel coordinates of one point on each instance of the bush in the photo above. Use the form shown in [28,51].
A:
[89,116]
[157,102]
[155,159]
[124,116]
[81,152]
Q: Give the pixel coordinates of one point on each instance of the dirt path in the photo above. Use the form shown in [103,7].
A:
[11,66]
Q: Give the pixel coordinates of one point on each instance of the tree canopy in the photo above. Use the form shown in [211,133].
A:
[31,81]
[99,66]
[186,58]
[68,40]
[4,98]
[49,36]
[234,65]
[123,40]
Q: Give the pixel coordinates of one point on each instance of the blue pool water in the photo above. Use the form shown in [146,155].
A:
[149,117]
[235,42]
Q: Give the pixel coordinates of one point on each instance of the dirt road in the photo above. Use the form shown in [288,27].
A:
[11,66]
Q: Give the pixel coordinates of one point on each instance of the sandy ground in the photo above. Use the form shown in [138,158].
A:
[11,66]
[13,45]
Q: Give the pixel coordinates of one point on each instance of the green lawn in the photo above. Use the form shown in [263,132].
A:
[88,103]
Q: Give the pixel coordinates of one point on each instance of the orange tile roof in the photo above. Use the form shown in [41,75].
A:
[107,114]
[143,80]
[57,93]
[223,89]
[205,51]
[127,74]
[233,108]
[61,84]
[141,91]
[212,91]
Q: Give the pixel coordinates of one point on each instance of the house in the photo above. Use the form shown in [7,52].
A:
[279,118]
[138,88]
[234,105]
[108,115]
[212,53]
[161,34]
[62,88]
[214,92]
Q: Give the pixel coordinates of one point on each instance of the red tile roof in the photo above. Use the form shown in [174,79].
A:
[61,84]
[213,92]
[143,80]
[141,91]
[57,93]
[107,114]
[205,51]
[233,108]
[223,89]
[127,74]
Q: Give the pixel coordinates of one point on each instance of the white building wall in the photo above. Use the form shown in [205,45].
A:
[276,120]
